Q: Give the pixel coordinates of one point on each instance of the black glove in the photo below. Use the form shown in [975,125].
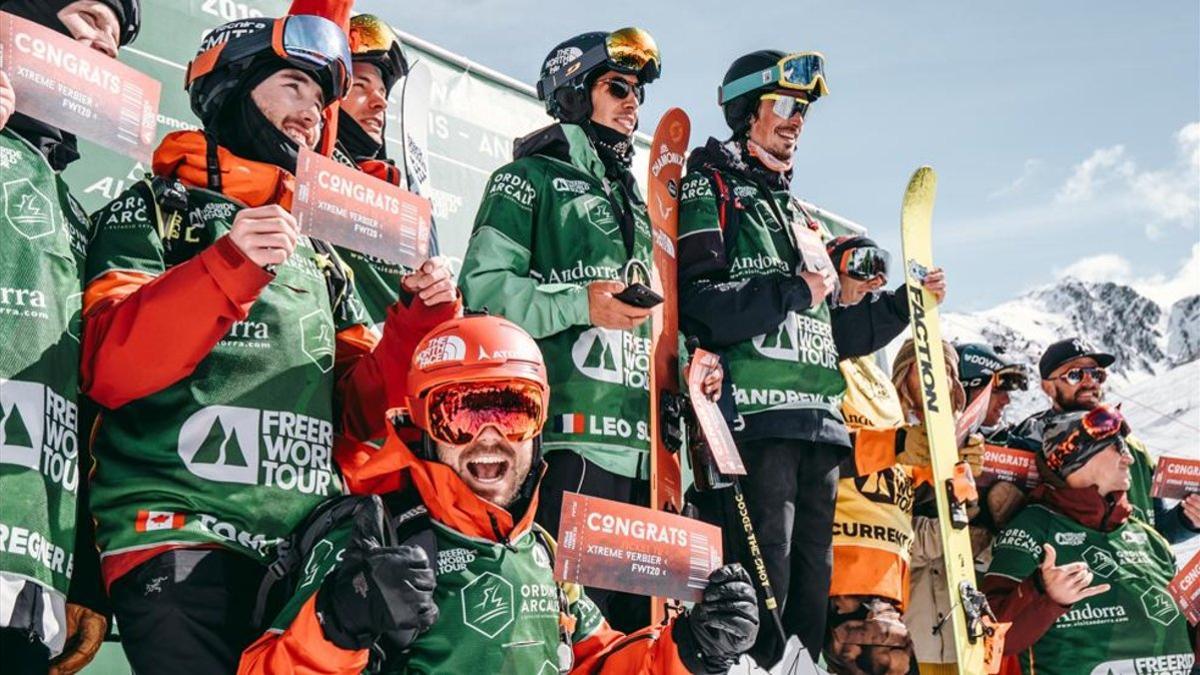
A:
[722,626]
[377,590]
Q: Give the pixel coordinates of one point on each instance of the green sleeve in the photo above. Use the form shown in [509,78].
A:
[697,206]
[1017,551]
[588,618]
[125,236]
[496,269]
[1142,475]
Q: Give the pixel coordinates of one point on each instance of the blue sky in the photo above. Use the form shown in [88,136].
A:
[1060,131]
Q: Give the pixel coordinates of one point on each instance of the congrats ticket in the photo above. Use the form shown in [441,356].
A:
[1176,478]
[629,548]
[349,208]
[67,85]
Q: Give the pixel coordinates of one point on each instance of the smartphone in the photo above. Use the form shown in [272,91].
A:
[639,295]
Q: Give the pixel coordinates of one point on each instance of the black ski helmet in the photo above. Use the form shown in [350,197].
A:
[45,13]
[741,107]
[373,41]
[573,65]
[977,363]
[309,43]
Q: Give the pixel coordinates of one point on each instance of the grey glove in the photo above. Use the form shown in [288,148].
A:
[722,626]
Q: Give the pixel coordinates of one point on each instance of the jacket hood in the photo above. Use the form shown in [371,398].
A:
[565,142]
[184,155]
[1085,505]
[449,500]
[731,157]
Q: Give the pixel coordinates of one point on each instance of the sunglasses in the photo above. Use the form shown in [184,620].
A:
[1075,375]
[786,106]
[1011,381]
[459,411]
[620,89]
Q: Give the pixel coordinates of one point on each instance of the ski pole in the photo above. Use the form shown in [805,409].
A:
[760,565]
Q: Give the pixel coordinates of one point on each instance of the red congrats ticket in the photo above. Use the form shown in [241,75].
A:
[629,548]
[345,206]
[708,416]
[76,88]
[1176,478]
[1185,588]
[1010,465]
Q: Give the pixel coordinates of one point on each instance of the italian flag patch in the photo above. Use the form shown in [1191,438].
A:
[571,423]
[149,521]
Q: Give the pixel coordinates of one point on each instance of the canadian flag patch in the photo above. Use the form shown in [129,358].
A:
[149,521]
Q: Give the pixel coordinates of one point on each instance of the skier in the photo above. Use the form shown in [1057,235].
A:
[379,64]
[929,599]
[1082,581]
[459,579]
[558,234]
[745,294]
[227,348]
[51,602]
[872,527]
[980,364]
[1073,376]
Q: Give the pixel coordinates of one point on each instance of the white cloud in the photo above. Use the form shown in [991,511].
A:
[1106,189]
[1098,170]
[1160,288]
[1030,168]
[1104,267]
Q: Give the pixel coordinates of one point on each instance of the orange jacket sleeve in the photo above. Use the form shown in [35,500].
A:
[135,341]
[651,650]
[874,450]
[371,376]
[301,650]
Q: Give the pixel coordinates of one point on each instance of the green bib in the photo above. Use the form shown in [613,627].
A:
[498,607]
[796,365]
[43,234]
[557,217]
[1133,628]
[239,451]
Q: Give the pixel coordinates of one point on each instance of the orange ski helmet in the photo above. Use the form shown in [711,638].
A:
[475,349]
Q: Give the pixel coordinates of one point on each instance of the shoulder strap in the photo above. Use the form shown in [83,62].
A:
[292,551]
[729,210]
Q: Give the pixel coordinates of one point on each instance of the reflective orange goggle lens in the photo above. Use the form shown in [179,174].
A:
[369,34]
[633,48]
[457,412]
[1102,422]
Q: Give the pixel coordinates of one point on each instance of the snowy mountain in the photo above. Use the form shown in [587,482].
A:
[1157,374]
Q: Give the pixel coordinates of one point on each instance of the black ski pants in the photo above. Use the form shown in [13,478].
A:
[790,489]
[567,471]
[187,611]
[22,653]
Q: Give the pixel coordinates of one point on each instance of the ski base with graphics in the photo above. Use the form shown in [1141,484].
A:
[969,616]
[666,407]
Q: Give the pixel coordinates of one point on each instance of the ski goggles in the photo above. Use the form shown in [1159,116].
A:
[312,43]
[370,36]
[621,89]
[865,263]
[457,412]
[804,71]
[1010,380]
[786,106]
[1101,427]
[1075,376]
[630,50]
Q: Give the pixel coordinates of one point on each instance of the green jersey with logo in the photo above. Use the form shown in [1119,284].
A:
[43,236]
[1134,628]
[796,365]
[236,453]
[545,229]
[498,605]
